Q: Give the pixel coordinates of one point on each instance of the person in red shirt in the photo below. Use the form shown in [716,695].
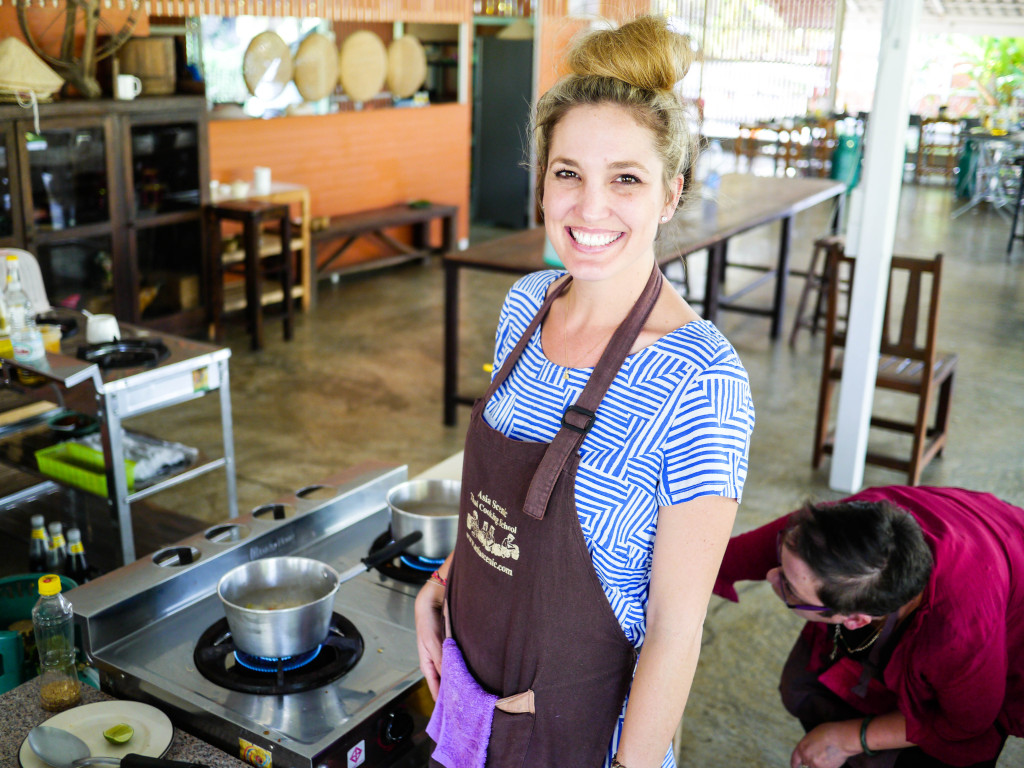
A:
[913,651]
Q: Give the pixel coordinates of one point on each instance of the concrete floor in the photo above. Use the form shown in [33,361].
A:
[362,381]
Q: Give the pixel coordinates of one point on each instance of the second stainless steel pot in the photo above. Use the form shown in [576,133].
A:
[282,606]
[430,506]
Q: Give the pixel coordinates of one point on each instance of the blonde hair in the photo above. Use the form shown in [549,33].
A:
[636,67]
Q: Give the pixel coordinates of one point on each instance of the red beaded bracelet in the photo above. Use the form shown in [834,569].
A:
[439,579]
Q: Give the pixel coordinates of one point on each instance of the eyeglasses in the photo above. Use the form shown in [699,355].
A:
[787,588]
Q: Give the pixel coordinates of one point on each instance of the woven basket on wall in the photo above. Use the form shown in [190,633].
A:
[363,65]
[316,67]
[407,66]
[267,65]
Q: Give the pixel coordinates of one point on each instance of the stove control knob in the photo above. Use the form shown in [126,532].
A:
[395,728]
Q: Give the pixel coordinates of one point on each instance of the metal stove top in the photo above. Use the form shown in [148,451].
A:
[141,623]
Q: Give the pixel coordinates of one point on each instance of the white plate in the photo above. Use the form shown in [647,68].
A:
[152,737]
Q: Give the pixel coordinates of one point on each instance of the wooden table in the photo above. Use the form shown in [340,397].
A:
[744,203]
[252,214]
[289,194]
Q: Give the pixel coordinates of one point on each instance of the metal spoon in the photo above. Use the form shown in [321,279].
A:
[61,749]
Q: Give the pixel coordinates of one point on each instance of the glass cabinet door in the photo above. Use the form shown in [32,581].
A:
[165,168]
[68,169]
[170,261]
[79,273]
[6,203]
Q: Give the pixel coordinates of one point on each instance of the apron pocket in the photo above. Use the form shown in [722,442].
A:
[520,704]
[510,736]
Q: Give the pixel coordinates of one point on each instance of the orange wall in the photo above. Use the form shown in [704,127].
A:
[352,161]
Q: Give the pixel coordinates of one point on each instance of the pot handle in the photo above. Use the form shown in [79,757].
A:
[142,761]
[392,549]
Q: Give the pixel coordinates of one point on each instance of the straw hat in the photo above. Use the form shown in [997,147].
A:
[316,67]
[22,71]
[407,66]
[363,65]
[518,30]
[267,65]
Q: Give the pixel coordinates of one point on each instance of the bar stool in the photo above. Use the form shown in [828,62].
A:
[817,280]
[256,263]
[1016,209]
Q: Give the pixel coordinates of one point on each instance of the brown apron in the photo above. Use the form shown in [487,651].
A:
[525,604]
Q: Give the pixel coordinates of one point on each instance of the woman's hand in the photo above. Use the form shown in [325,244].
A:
[430,632]
[828,746]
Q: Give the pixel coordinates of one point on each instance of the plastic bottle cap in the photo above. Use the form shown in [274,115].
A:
[49,585]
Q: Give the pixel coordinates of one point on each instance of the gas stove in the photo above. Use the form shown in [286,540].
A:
[156,631]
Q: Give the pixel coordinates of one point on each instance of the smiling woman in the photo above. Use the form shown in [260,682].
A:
[604,465]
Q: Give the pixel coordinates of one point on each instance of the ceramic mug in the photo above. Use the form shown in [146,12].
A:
[261,180]
[127,87]
[102,328]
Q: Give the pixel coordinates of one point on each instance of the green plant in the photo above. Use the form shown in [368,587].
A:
[996,67]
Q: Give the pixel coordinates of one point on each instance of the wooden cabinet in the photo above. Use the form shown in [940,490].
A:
[109,196]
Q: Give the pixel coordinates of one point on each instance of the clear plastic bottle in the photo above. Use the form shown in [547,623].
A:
[77,566]
[26,339]
[57,554]
[19,308]
[53,621]
[38,546]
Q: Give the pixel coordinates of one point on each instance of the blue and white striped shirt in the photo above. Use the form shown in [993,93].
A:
[675,425]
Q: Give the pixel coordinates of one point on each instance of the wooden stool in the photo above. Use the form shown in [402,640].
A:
[816,281]
[256,262]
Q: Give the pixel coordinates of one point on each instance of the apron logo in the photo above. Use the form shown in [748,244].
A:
[489,534]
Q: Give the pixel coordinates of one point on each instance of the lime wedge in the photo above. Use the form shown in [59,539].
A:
[119,734]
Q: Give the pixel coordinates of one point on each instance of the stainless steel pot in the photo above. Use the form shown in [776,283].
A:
[279,606]
[430,506]
[282,606]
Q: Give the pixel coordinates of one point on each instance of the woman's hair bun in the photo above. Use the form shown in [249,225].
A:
[646,53]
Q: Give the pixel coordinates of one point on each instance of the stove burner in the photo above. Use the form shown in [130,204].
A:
[420,563]
[125,353]
[409,569]
[268,664]
[220,662]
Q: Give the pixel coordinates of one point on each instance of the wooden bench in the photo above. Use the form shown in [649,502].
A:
[373,223]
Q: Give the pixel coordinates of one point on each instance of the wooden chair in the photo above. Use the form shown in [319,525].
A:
[823,144]
[791,150]
[904,365]
[747,145]
[816,282]
[938,149]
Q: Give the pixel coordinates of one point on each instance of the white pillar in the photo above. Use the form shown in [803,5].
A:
[885,146]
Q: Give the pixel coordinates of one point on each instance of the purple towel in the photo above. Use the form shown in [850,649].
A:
[461,723]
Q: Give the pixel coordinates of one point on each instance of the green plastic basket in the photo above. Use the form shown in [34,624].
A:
[19,593]
[79,466]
